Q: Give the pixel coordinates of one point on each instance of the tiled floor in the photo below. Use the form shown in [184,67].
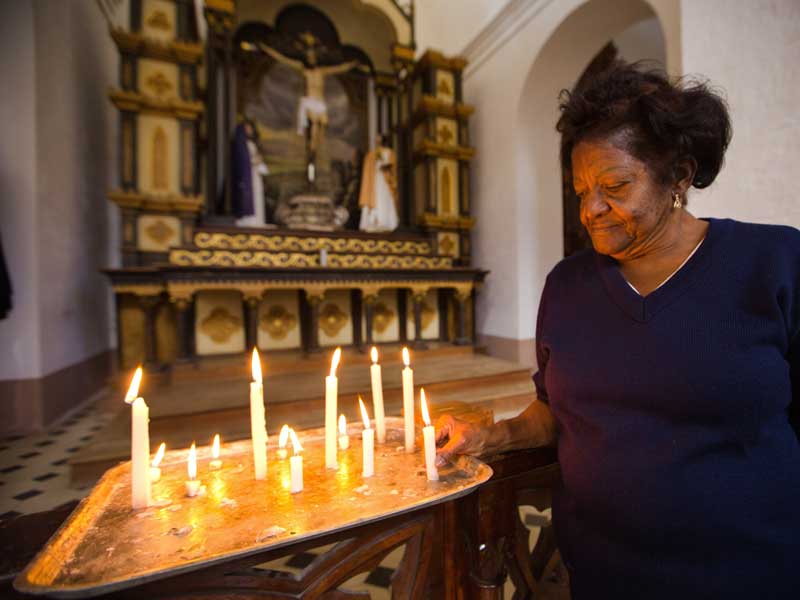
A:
[34,476]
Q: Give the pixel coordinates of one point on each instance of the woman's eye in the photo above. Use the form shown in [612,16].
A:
[616,187]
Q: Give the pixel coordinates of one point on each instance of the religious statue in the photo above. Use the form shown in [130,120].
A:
[378,198]
[247,170]
[312,109]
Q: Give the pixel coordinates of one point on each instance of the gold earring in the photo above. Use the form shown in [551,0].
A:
[676,203]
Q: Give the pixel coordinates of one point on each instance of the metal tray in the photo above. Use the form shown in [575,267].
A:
[105,545]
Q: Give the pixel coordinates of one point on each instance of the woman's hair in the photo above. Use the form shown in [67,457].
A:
[661,121]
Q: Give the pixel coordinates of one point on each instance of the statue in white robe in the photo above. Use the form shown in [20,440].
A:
[378,197]
[258,169]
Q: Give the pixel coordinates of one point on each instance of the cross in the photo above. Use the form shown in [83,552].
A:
[445,134]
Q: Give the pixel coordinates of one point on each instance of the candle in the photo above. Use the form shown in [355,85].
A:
[377,396]
[258,428]
[296,464]
[331,392]
[215,463]
[193,484]
[344,439]
[408,401]
[283,438]
[311,172]
[429,436]
[367,444]
[155,471]
[140,444]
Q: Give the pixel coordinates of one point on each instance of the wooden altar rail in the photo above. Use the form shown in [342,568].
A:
[459,550]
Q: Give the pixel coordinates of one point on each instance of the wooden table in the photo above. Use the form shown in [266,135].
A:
[462,549]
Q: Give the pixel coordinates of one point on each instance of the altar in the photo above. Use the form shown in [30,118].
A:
[292,178]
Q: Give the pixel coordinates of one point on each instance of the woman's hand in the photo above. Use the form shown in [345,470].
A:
[454,436]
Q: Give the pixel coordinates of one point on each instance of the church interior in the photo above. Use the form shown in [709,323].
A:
[185,181]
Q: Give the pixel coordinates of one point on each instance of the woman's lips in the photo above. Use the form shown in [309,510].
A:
[602,228]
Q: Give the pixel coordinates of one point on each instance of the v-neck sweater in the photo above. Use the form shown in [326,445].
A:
[681,471]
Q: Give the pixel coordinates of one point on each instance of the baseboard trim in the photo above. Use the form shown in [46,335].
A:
[30,405]
[521,351]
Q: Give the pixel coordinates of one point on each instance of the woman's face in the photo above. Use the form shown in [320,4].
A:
[622,207]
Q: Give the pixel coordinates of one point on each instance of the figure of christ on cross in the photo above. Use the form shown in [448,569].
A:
[312,110]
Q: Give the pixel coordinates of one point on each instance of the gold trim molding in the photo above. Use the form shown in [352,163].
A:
[441,222]
[431,105]
[288,243]
[133,42]
[436,59]
[430,148]
[137,102]
[259,258]
[160,203]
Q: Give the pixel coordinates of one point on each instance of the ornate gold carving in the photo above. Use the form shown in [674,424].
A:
[434,58]
[156,202]
[429,148]
[277,322]
[127,74]
[171,106]
[445,135]
[188,163]
[446,222]
[332,319]
[431,105]
[444,88]
[244,258]
[186,85]
[134,42]
[160,159]
[159,83]
[293,243]
[127,232]
[221,5]
[127,150]
[138,289]
[158,20]
[382,317]
[159,231]
[220,325]
[446,245]
[446,194]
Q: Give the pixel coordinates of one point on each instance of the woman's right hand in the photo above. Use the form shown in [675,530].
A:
[454,436]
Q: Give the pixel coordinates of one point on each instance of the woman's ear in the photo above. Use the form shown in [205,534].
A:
[683,173]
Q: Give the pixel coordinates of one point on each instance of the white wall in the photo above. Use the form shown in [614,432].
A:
[752,51]
[642,40]
[58,157]
[449,25]
[20,355]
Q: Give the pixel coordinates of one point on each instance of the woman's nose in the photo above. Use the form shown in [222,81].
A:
[593,205]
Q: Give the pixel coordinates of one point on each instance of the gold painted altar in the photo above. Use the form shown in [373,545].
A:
[313,87]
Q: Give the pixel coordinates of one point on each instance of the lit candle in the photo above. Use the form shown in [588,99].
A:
[140,444]
[311,172]
[258,428]
[283,438]
[367,444]
[155,470]
[296,464]
[408,401]
[331,393]
[344,439]
[193,484]
[215,463]
[377,396]
[429,436]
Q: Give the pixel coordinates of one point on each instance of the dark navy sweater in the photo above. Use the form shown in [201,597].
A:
[681,471]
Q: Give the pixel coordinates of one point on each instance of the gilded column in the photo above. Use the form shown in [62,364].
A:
[251,303]
[461,297]
[419,300]
[314,301]
[369,310]
[150,305]
[183,323]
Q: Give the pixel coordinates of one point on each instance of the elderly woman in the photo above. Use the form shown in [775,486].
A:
[668,357]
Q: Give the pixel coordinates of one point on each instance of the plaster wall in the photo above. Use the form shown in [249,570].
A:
[20,330]
[57,159]
[449,25]
[751,50]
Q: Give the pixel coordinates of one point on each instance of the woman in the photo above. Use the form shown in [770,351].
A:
[669,357]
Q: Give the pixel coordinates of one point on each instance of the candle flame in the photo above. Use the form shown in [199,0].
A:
[256,366]
[215,447]
[159,454]
[296,445]
[374,355]
[342,425]
[192,462]
[133,390]
[425,416]
[335,361]
[364,414]
[283,436]
[406,358]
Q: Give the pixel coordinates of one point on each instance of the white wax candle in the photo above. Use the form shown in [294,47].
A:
[258,428]
[408,402]
[140,445]
[215,462]
[344,439]
[192,484]
[155,470]
[296,465]
[367,444]
[331,394]
[377,396]
[311,172]
[429,437]
[283,438]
